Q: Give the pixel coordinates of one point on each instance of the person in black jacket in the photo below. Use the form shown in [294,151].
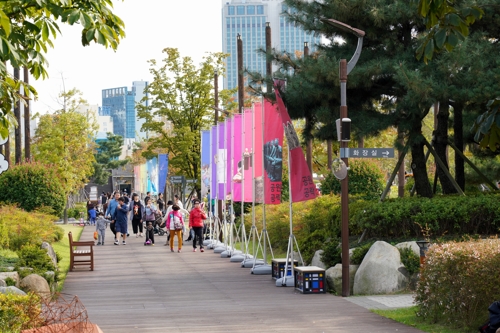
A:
[137,212]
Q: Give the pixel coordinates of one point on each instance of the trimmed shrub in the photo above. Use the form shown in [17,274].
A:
[331,253]
[33,256]
[32,186]
[365,179]
[27,228]
[458,282]
[19,312]
[410,260]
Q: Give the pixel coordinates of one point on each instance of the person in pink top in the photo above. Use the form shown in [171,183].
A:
[175,224]
[196,218]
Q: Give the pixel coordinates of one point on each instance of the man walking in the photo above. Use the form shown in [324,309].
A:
[110,212]
[121,222]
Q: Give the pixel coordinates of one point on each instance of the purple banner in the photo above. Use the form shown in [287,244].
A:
[221,158]
[229,148]
[162,172]
[237,153]
[205,163]
[213,159]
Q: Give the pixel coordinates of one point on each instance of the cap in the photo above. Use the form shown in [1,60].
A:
[196,201]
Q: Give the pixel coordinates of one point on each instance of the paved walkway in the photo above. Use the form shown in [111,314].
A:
[137,288]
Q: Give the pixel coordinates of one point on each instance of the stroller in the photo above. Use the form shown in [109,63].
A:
[159,225]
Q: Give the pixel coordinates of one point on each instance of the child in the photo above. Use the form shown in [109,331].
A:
[150,234]
[101,225]
[92,214]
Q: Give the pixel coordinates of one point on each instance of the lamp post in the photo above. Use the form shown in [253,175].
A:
[239,45]
[424,246]
[216,96]
[344,70]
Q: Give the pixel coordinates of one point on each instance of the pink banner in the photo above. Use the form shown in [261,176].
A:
[247,155]
[237,153]
[229,146]
[257,149]
[272,153]
[302,185]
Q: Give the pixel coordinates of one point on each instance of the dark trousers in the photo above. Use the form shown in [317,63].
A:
[112,227]
[137,225]
[150,232]
[198,236]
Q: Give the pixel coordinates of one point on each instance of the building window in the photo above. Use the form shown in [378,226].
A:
[251,10]
[284,8]
[240,10]
[260,10]
[230,10]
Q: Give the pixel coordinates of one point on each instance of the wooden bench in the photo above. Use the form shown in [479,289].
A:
[75,252]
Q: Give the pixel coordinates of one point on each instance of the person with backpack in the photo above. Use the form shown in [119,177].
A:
[196,218]
[175,224]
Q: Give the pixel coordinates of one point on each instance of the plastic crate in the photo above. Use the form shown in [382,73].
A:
[278,268]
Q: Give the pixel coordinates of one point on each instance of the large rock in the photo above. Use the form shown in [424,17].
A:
[36,284]
[50,252]
[381,271]
[11,290]
[334,278]
[3,283]
[412,245]
[12,275]
[316,260]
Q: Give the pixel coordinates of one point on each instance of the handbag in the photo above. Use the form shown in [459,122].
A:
[95,235]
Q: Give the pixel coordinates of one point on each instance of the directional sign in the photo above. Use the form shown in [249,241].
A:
[191,180]
[177,179]
[367,152]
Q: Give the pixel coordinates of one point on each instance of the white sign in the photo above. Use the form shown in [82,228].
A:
[4,165]
[3,141]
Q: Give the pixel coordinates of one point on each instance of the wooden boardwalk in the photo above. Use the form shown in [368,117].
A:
[137,288]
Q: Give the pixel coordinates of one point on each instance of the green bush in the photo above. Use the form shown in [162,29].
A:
[33,256]
[32,186]
[331,253]
[458,282]
[410,260]
[19,312]
[359,253]
[25,228]
[365,179]
[10,281]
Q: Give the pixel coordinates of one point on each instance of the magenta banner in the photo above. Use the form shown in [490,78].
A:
[229,147]
[237,153]
[248,155]
[301,182]
[257,149]
[273,153]
[221,158]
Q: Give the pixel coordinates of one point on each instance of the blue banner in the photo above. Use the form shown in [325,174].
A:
[152,167]
[163,172]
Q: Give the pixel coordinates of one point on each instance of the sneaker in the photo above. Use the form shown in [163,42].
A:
[102,243]
[98,243]
[179,250]
[171,249]
[202,250]
[141,235]
[194,250]
[124,243]
[116,242]
[166,244]
[136,235]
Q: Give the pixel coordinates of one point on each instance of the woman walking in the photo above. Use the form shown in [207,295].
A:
[175,223]
[196,218]
[137,212]
[149,217]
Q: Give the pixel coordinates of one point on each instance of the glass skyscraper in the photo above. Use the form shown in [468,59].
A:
[120,103]
[248,18]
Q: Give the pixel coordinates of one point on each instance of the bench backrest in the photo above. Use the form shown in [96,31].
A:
[70,237]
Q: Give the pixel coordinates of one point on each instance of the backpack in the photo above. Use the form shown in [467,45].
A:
[176,222]
[494,323]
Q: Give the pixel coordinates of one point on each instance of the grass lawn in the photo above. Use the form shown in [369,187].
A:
[62,249]
[408,317]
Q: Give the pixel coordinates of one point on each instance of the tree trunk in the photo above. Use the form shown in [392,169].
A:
[401,171]
[17,131]
[458,140]
[441,144]
[330,154]
[27,119]
[422,185]
[65,215]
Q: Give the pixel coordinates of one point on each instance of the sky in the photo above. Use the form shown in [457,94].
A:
[192,26]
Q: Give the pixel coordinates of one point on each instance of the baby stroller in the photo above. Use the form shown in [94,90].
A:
[159,225]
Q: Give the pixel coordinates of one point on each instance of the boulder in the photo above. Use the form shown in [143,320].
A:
[334,278]
[36,284]
[12,275]
[50,252]
[2,283]
[412,245]
[11,290]
[381,271]
[316,260]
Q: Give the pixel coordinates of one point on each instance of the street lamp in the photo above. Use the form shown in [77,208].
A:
[216,95]
[344,70]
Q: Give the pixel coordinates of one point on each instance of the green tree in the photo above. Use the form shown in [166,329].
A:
[182,101]
[65,139]
[108,152]
[27,30]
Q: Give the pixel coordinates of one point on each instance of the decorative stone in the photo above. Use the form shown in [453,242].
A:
[36,284]
[12,275]
[11,290]
[334,278]
[3,283]
[50,252]
[381,271]
[316,260]
[412,245]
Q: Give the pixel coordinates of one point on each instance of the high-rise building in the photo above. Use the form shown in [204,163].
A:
[120,103]
[248,18]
